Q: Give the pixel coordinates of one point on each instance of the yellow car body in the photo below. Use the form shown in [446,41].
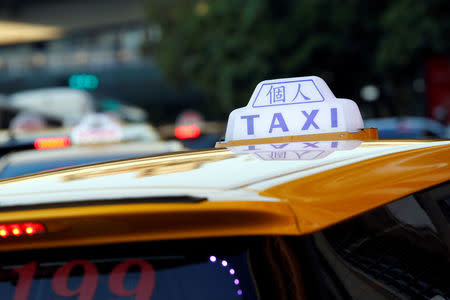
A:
[158,197]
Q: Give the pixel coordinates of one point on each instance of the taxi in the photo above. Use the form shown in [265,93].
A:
[97,138]
[300,201]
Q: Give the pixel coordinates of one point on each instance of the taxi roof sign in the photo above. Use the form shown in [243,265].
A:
[293,107]
[96,129]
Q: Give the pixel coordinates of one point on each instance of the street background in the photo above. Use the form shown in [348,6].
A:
[159,58]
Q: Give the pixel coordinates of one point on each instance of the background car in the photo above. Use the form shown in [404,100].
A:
[33,161]
[96,139]
[407,127]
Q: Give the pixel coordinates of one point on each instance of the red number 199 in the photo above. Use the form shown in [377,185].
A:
[86,291]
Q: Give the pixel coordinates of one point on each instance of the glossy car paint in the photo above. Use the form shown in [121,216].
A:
[245,195]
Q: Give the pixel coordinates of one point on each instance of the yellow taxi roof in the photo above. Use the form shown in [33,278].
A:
[243,195]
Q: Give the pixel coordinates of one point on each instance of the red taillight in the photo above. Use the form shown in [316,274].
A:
[21,229]
[33,228]
[3,231]
[52,143]
[16,230]
[187,132]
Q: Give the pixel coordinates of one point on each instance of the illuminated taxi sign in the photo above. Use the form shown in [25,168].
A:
[97,129]
[293,106]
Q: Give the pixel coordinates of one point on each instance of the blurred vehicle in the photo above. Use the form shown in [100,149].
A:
[300,201]
[68,106]
[97,138]
[54,155]
[129,131]
[407,128]
[194,137]
[62,103]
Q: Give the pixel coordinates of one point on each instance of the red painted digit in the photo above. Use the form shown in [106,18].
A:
[144,288]
[88,286]
[26,274]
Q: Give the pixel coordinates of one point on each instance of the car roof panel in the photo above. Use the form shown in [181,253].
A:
[295,197]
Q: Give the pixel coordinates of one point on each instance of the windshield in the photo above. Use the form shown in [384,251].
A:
[139,271]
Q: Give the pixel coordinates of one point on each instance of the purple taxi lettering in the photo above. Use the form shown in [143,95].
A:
[250,123]
[334,144]
[281,123]
[334,120]
[310,119]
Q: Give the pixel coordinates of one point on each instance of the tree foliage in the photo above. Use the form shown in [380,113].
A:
[226,47]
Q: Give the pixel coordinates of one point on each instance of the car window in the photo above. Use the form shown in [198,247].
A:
[161,270]
[398,251]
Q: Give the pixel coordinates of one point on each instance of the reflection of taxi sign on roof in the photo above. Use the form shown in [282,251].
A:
[292,110]
[97,128]
[296,150]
